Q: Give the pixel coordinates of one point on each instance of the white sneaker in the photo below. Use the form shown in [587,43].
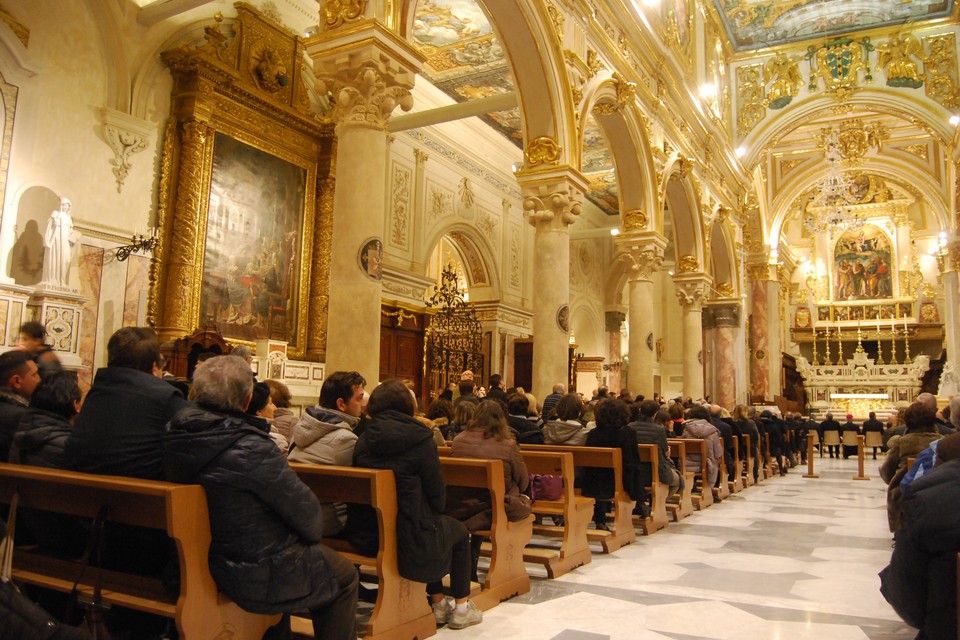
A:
[443,610]
[466,619]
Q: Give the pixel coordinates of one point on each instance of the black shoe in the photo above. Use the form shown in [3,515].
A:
[601,526]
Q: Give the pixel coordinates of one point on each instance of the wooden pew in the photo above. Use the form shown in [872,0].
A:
[199,610]
[650,454]
[621,530]
[736,485]
[682,506]
[721,490]
[704,497]
[577,513]
[507,576]
[401,611]
[748,476]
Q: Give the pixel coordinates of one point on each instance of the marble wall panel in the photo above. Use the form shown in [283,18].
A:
[759,339]
[138,280]
[91,270]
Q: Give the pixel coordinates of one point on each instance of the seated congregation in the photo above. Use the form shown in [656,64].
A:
[292,546]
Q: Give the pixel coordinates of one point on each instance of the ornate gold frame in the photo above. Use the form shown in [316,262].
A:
[250,88]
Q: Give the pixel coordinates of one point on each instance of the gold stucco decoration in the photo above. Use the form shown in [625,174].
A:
[750,98]
[542,150]
[897,55]
[688,264]
[838,65]
[725,290]
[338,12]
[634,220]
[782,73]
[940,68]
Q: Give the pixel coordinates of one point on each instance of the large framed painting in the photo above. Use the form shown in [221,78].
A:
[862,265]
[252,250]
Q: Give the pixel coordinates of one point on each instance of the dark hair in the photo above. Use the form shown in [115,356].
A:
[569,407]
[919,418]
[261,394]
[280,393]
[57,393]
[203,356]
[133,348]
[611,413]
[441,408]
[697,412]
[466,387]
[518,404]
[662,417]
[13,363]
[495,379]
[463,413]
[489,418]
[393,395]
[676,411]
[649,408]
[34,329]
[873,416]
[340,385]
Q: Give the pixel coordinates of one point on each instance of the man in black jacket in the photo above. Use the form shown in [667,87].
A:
[18,379]
[830,425]
[872,424]
[265,523]
[124,415]
[649,432]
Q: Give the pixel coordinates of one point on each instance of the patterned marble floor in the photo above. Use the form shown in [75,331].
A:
[792,558]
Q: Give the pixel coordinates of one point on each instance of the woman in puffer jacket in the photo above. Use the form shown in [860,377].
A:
[696,425]
[567,429]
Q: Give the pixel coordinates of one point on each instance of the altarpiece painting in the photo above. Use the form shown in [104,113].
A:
[863,269]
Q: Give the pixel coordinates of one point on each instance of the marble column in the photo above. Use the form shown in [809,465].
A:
[613,321]
[552,200]
[370,70]
[951,297]
[726,322]
[709,354]
[691,290]
[765,341]
[646,253]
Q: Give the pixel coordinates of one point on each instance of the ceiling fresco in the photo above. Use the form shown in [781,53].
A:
[464,57]
[598,169]
[752,24]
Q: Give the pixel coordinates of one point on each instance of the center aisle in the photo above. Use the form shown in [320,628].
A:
[792,558]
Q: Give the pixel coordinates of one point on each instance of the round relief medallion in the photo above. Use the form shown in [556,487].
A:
[650,341]
[563,318]
[370,258]
[761,354]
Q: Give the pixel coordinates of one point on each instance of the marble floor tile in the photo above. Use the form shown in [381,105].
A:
[790,559]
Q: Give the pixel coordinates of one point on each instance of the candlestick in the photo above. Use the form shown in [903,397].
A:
[879,348]
[840,361]
[893,345]
[906,345]
[826,344]
[815,363]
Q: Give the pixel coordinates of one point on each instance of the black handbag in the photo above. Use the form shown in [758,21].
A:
[90,617]
[20,617]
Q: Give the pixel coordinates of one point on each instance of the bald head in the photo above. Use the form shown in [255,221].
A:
[928,400]
[715,410]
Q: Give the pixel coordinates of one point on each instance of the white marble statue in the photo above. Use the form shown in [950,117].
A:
[59,241]
[949,381]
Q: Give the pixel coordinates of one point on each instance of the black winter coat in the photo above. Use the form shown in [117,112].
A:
[652,433]
[40,439]
[119,429]
[920,582]
[12,408]
[396,441]
[598,483]
[265,523]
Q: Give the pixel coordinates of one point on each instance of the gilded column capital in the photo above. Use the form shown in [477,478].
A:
[760,272]
[368,69]
[692,290]
[553,199]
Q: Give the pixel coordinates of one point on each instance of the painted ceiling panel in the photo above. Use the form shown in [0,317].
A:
[752,24]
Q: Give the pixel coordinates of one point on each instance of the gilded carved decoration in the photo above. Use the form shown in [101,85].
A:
[940,68]
[557,18]
[838,64]
[919,150]
[725,290]
[688,264]
[782,73]
[898,56]
[222,88]
[336,13]
[542,150]
[594,63]
[402,181]
[634,220]
[758,272]
[851,139]
[750,98]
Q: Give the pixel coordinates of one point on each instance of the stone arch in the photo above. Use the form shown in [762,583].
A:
[681,195]
[880,100]
[723,262]
[616,281]
[892,169]
[476,251]
[628,141]
[544,96]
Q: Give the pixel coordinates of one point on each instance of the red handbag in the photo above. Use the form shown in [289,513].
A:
[545,487]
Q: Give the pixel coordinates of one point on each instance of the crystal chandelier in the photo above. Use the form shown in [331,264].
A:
[831,203]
